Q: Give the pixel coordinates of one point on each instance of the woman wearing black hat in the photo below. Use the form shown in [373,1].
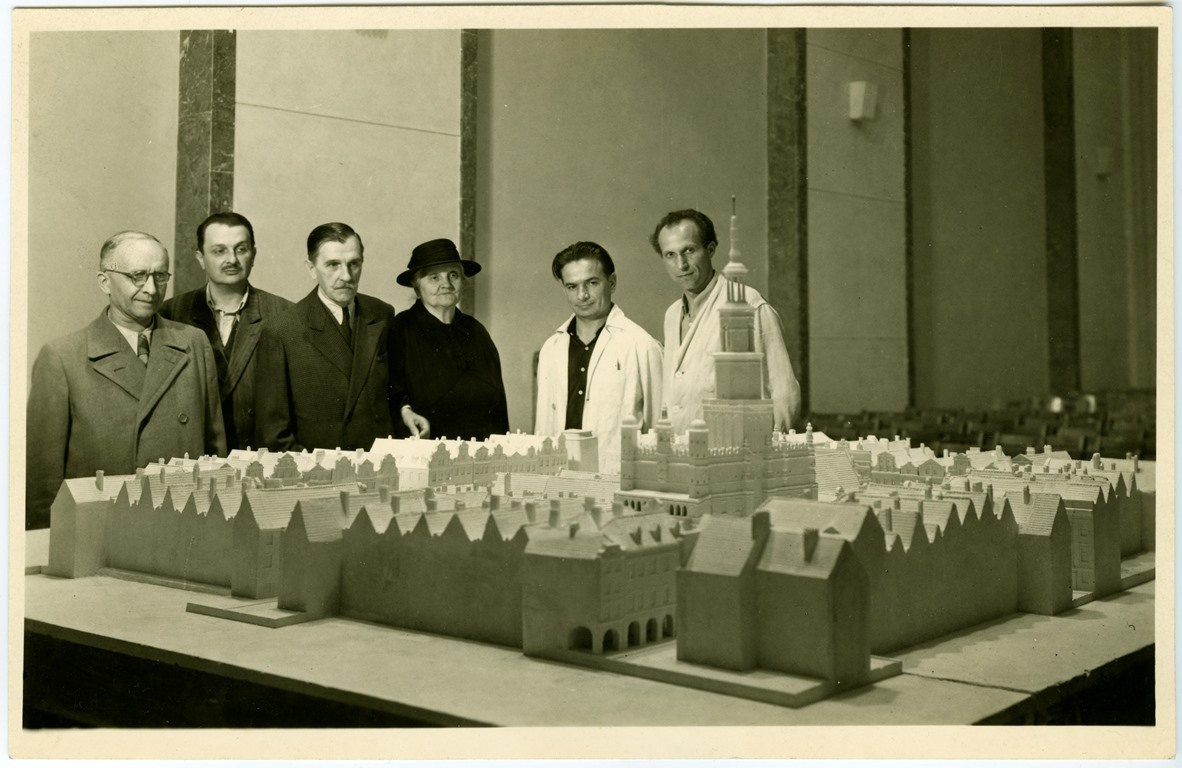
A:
[444,368]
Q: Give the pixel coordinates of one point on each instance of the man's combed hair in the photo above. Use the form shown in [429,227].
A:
[227,219]
[333,232]
[582,250]
[705,227]
[119,238]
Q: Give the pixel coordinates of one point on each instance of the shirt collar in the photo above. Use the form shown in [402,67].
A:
[335,308]
[613,320]
[691,304]
[213,308]
[132,337]
[573,329]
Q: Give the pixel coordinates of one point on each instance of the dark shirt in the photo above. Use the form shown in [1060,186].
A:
[578,360]
[448,373]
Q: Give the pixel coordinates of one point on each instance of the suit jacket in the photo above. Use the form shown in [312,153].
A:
[313,391]
[93,405]
[623,379]
[688,377]
[236,382]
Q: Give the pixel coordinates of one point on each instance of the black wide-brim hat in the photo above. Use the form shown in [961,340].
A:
[433,253]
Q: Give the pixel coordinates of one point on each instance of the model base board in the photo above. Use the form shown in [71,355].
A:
[1134,570]
[164,581]
[262,613]
[659,662]
[1138,569]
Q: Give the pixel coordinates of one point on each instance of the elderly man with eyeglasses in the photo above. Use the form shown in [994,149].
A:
[126,390]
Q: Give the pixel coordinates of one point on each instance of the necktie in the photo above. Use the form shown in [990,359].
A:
[346,326]
[141,350]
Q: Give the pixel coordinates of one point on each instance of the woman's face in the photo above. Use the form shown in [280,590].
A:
[439,286]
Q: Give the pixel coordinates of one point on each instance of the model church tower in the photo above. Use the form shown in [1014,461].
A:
[729,461]
[740,415]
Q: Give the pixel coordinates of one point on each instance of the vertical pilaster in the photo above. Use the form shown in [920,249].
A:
[468,72]
[787,179]
[205,142]
[1062,233]
[908,216]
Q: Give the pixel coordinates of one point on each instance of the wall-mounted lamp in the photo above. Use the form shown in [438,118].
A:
[863,100]
[1105,162]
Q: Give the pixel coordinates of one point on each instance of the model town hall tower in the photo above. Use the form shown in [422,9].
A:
[729,461]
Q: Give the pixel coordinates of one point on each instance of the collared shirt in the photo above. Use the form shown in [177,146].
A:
[691,306]
[578,360]
[133,337]
[335,308]
[338,314]
[226,320]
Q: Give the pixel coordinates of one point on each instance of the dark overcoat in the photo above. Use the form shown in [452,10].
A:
[235,364]
[314,391]
[94,406]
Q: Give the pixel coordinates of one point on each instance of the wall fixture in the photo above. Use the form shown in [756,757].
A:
[863,100]
[1105,162]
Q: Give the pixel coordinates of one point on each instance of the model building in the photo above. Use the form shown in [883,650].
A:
[736,547]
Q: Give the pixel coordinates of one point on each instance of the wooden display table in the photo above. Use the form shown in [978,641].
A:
[110,652]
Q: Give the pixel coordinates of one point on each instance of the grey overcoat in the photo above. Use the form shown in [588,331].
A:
[93,405]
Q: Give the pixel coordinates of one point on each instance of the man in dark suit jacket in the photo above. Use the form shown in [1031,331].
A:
[126,390]
[323,376]
[231,312]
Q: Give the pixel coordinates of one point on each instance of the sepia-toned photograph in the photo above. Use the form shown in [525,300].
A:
[564,375]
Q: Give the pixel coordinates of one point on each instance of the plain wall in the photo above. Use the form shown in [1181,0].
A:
[102,158]
[980,286]
[373,140]
[857,281]
[1115,81]
[594,135]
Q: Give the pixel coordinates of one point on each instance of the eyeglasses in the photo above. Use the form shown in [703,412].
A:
[141,277]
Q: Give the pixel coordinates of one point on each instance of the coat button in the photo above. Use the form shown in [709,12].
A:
[184,419]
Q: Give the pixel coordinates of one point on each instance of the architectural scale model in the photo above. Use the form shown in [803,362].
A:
[714,553]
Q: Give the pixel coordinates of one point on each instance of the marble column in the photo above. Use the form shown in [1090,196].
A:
[787,181]
[467,244]
[205,142]
[1062,235]
[908,219]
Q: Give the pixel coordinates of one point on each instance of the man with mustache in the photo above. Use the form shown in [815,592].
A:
[232,312]
[126,390]
[323,377]
[685,241]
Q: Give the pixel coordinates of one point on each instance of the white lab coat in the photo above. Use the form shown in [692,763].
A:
[688,377]
[624,379]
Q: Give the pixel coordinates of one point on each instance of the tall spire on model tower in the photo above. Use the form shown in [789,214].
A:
[739,413]
[735,270]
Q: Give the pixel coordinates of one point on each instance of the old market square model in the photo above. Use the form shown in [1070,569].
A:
[781,568]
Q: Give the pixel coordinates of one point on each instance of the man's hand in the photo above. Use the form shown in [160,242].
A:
[418,426]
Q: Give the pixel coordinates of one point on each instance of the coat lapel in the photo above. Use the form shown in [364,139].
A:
[201,316]
[169,356]
[365,346]
[605,337]
[246,338]
[705,310]
[325,337]
[111,356]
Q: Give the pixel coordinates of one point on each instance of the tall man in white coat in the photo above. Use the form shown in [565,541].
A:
[598,367]
[686,243]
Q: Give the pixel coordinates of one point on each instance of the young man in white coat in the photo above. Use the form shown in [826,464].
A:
[686,241]
[599,367]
